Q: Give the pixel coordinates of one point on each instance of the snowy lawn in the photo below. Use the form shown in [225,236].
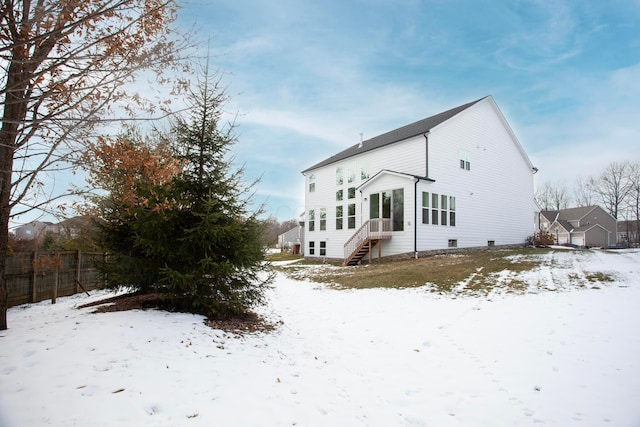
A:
[566,352]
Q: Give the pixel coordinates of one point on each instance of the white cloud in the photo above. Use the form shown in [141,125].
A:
[602,128]
[542,33]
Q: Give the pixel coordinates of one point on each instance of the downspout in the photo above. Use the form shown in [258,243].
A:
[415,217]
[426,154]
[415,194]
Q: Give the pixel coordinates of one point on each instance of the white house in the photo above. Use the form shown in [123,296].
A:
[456,179]
[292,240]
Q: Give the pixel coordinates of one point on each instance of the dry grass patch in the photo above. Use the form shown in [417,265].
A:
[476,271]
[282,256]
[599,277]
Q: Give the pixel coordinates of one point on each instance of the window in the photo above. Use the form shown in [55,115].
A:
[440,208]
[374,205]
[452,211]
[323,248]
[465,160]
[323,219]
[312,183]
[312,218]
[339,217]
[351,215]
[491,243]
[453,243]
[364,169]
[351,172]
[425,207]
[398,209]
[443,212]
[351,192]
[434,209]
[339,195]
[339,178]
[312,248]
[388,204]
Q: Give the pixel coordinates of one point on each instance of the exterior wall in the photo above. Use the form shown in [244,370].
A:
[561,235]
[601,217]
[406,156]
[545,224]
[289,238]
[401,241]
[598,237]
[494,198]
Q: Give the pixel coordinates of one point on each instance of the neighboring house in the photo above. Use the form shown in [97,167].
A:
[588,226]
[457,179]
[74,227]
[71,227]
[292,240]
[628,232]
[34,230]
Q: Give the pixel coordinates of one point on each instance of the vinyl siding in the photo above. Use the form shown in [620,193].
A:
[597,236]
[494,199]
[402,241]
[406,156]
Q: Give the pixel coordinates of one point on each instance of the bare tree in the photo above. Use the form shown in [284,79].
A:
[552,196]
[543,197]
[613,186]
[632,203]
[273,228]
[583,192]
[66,64]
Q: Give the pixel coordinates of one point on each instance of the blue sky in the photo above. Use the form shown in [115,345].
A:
[307,77]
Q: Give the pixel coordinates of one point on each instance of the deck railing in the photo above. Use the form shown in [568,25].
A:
[377,228]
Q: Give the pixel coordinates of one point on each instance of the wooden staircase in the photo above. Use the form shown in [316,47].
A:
[365,239]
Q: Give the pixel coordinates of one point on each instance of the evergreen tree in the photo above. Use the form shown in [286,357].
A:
[193,239]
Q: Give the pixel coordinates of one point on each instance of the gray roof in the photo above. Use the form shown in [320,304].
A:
[417,128]
[570,214]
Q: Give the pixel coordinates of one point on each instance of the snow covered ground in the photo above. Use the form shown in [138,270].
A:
[560,355]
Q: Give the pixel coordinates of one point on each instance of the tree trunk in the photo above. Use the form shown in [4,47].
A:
[6,166]
[13,115]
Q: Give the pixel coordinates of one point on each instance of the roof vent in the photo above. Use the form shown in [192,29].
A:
[361,137]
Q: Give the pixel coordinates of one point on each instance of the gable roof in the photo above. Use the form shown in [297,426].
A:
[416,128]
[570,214]
[394,173]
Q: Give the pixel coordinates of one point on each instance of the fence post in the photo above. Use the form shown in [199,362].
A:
[55,285]
[34,275]
[78,260]
[104,262]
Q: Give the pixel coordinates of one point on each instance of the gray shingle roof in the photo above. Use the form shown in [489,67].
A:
[417,128]
[570,214]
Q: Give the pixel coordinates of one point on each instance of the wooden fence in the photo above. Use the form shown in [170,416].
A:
[37,276]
